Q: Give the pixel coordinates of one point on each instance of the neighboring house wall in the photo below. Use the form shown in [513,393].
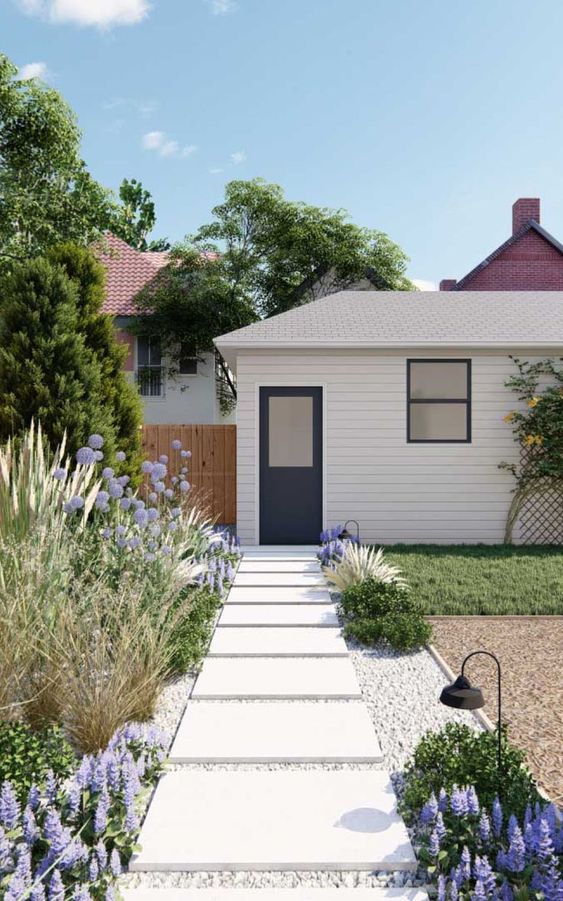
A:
[399,492]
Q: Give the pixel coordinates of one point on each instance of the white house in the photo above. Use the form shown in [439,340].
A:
[384,407]
[190,395]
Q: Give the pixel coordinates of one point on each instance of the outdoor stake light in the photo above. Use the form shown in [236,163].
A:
[465,696]
[345,534]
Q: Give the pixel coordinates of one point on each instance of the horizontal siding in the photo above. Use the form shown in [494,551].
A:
[398,492]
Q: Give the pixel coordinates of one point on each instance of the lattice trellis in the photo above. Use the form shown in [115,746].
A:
[541,513]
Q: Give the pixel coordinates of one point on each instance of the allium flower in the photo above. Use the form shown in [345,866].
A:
[96,442]
[159,487]
[150,557]
[152,514]
[172,526]
[9,808]
[134,542]
[115,489]
[141,517]
[163,459]
[155,530]
[159,470]
[98,456]
[147,467]
[76,502]
[174,480]
[186,453]
[153,497]
[107,533]
[60,473]
[175,512]
[169,493]
[121,543]
[184,470]
[107,473]
[151,545]
[166,550]
[176,444]
[497,817]
[102,499]
[123,480]
[120,530]
[85,456]
[184,486]
[125,503]
[121,456]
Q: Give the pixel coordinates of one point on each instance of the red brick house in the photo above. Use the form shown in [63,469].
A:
[531,259]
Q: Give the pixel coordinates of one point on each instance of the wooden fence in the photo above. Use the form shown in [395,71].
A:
[212,467]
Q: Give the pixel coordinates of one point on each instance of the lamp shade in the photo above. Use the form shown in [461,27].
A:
[463,695]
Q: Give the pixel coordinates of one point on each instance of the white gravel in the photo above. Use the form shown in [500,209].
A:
[401,693]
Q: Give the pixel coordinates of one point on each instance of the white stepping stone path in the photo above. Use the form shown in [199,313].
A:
[277,687]
[274,642]
[272,615]
[286,732]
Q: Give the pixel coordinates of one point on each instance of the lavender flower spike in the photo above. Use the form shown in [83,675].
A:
[497,817]
[9,808]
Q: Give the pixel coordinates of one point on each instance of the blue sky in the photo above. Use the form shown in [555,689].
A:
[423,118]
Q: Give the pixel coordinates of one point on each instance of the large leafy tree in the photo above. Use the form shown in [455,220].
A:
[135,217]
[47,371]
[46,192]
[262,254]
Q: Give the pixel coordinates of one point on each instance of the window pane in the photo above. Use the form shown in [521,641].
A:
[291,431]
[155,352]
[435,422]
[438,380]
[142,351]
[188,366]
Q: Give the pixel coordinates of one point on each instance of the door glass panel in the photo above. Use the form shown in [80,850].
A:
[435,422]
[290,439]
[438,380]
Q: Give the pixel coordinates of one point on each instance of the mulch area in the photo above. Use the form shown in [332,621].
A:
[530,651]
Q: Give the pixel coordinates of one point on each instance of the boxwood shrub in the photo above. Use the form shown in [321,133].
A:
[376,611]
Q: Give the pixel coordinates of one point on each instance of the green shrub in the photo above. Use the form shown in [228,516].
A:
[458,755]
[193,632]
[384,611]
[26,756]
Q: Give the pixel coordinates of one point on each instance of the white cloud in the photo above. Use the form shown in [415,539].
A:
[238,157]
[33,70]
[424,285]
[159,142]
[101,13]
[222,7]
[215,171]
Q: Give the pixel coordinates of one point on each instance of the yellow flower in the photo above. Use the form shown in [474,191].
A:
[533,439]
[509,417]
[534,402]
[539,440]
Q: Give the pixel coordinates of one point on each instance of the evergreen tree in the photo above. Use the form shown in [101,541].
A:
[120,395]
[47,372]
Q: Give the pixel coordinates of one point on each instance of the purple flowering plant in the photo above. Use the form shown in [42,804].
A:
[78,834]
[472,853]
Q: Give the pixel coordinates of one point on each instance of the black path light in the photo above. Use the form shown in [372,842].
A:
[345,534]
[465,696]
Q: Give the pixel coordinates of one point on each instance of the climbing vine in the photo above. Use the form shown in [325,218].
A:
[538,429]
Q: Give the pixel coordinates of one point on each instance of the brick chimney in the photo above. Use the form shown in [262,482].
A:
[448,284]
[524,209]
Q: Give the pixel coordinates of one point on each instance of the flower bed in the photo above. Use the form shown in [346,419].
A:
[107,593]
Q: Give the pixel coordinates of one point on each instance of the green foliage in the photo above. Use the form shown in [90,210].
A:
[47,193]
[26,756]
[459,755]
[121,397]
[135,218]
[262,254]
[193,631]
[482,579]
[47,371]
[384,611]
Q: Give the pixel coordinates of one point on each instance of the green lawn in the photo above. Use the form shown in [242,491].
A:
[473,579]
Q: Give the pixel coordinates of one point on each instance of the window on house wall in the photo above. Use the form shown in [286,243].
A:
[150,371]
[188,365]
[438,401]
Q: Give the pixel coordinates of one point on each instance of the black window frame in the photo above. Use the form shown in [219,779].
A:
[150,376]
[188,359]
[450,400]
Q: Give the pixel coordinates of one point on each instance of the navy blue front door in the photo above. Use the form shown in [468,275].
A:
[291,465]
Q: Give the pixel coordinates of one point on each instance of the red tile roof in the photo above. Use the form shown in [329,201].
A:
[127,271]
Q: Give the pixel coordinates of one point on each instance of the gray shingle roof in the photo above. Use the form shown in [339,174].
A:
[411,318]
